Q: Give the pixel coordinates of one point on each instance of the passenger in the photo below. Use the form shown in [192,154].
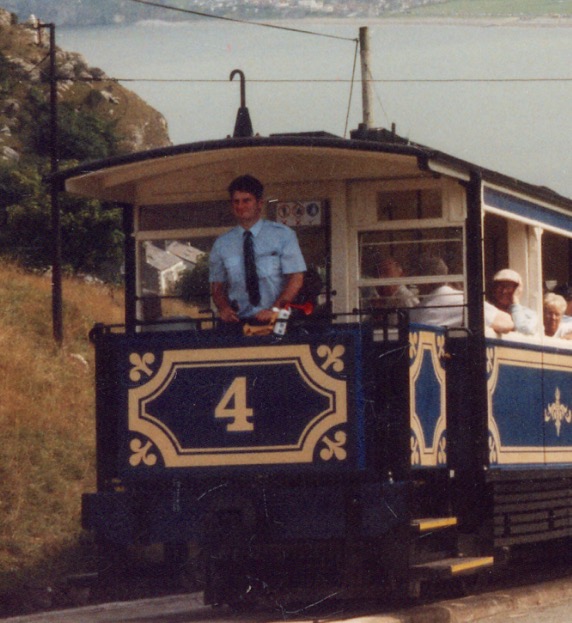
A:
[554,308]
[441,304]
[258,264]
[392,295]
[506,293]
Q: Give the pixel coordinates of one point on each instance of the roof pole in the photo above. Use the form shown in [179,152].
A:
[366,86]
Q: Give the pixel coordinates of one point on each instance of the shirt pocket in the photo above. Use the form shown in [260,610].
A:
[268,265]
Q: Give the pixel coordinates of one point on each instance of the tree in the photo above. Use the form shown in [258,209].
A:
[193,285]
[82,135]
[92,236]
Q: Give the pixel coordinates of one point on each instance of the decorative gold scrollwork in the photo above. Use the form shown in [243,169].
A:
[141,453]
[493,453]
[490,360]
[140,365]
[557,412]
[334,447]
[440,345]
[442,451]
[415,450]
[413,345]
[333,356]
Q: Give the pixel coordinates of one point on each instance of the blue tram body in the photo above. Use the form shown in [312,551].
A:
[362,450]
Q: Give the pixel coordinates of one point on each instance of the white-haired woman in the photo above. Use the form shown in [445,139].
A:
[554,308]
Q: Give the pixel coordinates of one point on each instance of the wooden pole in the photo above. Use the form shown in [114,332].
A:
[366,86]
[57,313]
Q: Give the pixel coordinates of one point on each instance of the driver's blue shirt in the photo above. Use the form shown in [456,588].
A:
[277,255]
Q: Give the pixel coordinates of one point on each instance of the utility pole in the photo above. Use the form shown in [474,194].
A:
[57,316]
[366,87]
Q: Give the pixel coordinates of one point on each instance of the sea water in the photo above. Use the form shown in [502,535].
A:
[498,96]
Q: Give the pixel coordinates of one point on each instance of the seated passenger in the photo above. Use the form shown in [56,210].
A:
[392,295]
[441,304]
[554,308]
[506,293]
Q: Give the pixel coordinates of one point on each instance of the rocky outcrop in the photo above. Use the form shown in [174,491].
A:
[24,68]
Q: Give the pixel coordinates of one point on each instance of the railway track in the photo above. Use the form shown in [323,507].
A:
[517,587]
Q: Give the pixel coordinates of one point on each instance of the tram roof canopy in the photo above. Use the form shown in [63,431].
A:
[179,173]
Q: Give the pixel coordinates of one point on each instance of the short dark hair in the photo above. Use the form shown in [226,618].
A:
[247,184]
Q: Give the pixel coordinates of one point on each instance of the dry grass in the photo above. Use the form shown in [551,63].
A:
[46,423]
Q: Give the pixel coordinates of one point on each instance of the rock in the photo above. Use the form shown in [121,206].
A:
[9,154]
[97,73]
[11,107]
[109,97]
[6,18]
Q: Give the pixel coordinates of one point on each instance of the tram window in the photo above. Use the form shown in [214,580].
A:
[185,216]
[407,246]
[404,205]
[557,256]
[496,245]
[174,274]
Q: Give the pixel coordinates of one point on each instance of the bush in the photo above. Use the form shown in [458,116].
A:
[82,135]
[193,285]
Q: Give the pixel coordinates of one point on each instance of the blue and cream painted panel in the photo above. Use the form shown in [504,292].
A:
[427,387]
[530,405]
[266,405]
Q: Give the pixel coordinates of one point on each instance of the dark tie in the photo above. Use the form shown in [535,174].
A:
[250,270]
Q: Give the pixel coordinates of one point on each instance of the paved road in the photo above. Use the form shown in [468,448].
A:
[549,602]
[559,613]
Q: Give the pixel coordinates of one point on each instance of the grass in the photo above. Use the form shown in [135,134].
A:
[46,426]
[495,8]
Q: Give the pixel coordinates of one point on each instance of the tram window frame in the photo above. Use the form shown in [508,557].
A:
[449,249]
[410,204]
[442,206]
[554,243]
[152,296]
[525,245]
[155,223]
[180,222]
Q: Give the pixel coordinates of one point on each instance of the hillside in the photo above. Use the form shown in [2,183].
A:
[47,436]
[24,83]
[46,433]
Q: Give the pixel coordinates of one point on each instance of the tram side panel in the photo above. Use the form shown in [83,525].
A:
[511,440]
[529,392]
[231,440]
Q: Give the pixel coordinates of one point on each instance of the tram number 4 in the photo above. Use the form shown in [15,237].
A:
[233,406]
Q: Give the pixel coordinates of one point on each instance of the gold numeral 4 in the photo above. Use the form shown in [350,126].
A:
[233,406]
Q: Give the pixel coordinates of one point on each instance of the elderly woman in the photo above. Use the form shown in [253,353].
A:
[554,308]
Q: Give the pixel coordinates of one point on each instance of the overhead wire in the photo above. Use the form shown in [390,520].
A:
[241,21]
[337,81]
[323,80]
[265,25]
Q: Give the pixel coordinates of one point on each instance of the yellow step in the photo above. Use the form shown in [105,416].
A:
[433,523]
[450,567]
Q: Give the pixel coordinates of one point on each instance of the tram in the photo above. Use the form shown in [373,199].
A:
[363,451]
